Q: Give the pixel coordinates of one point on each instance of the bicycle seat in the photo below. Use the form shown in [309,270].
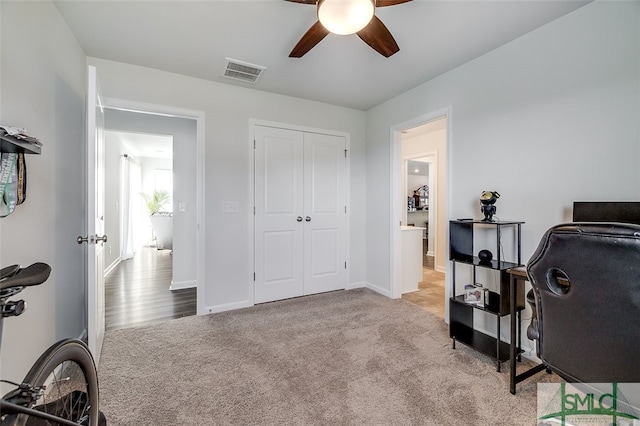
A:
[31,275]
[9,271]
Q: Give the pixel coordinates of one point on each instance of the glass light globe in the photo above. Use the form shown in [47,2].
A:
[345,16]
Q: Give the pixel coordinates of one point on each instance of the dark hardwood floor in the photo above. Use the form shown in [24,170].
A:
[137,291]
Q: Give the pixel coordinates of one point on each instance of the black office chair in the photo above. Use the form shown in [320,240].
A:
[586,301]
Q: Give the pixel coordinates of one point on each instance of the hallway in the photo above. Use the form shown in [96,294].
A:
[137,291]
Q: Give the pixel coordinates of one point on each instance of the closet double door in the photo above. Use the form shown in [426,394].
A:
[300,213]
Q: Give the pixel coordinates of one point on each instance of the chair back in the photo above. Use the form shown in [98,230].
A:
[586,282]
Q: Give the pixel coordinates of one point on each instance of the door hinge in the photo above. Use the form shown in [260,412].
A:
[254,210]
[345,209]
[345,265]
[254,276]
[254,144]
[345,153]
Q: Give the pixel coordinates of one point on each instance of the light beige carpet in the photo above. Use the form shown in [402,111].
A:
[341,358]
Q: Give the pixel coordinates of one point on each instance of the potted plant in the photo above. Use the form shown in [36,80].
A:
[161,222]
[156,201]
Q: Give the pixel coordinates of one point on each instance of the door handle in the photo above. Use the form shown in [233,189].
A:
[299,219]
[307,219]
[91,239]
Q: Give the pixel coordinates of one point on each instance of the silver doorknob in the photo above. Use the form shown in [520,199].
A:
[299,218]
[92,239]
[307,219]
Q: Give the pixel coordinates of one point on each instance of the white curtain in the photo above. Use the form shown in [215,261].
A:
[130,206]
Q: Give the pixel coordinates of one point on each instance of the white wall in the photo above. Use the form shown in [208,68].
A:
[43,84]
[547,119]
[228,163]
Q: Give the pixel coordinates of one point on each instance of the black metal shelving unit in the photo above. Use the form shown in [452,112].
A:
[497,303]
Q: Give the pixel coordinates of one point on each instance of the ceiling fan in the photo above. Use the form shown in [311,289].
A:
[348,17]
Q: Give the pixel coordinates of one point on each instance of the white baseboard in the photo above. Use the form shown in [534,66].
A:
[380,290]
[111,267]
[227,307]
[181,285]
[442,269]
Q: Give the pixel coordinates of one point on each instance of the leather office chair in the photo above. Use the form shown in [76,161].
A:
[586,286]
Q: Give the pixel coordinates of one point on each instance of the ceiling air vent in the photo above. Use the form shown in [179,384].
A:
[242,71]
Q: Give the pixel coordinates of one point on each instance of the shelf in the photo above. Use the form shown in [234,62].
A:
[493,307]
[498,303]
[474,260]
[12,144]
[484,222]
[481,342]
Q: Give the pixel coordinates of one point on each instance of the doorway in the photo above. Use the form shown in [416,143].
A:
[153,270]
[419,186]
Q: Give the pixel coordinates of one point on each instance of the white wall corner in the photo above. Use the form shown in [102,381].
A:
[352,286]
[379,290]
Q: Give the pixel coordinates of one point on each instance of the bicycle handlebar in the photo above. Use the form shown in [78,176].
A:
[13,276]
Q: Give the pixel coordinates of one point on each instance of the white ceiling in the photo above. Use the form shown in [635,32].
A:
[418,167]
[145,145]
[194,37]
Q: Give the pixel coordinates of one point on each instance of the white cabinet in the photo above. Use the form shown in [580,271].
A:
[411,258]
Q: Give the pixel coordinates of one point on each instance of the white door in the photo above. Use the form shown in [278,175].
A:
[279,214]
[324,213]
[95,215]
[300,217]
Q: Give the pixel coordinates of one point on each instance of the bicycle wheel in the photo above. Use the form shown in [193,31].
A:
[68,375]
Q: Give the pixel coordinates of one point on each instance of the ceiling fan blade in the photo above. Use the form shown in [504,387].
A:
[376,35]
[313,36]
[310,1]
[382,3]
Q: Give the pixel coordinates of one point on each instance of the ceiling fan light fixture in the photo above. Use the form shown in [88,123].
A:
[345,17]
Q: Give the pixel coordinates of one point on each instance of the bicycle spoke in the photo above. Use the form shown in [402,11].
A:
[66,393]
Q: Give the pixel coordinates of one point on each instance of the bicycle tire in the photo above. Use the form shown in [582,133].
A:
[73,397]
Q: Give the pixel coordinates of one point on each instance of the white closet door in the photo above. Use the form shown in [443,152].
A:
[300,218]
[325,215]
[278,217]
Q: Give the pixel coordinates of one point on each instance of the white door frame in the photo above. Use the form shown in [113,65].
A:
[199,117]
[252,125]
[397,200]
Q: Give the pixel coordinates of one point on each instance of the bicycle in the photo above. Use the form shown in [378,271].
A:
[61,388]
